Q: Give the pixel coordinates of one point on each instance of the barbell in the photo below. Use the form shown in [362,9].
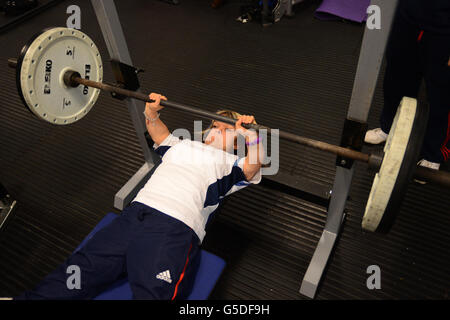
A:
[59,75]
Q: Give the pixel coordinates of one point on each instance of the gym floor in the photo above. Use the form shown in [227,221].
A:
[296,75]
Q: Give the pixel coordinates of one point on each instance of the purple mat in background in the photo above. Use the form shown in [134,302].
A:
[354,10]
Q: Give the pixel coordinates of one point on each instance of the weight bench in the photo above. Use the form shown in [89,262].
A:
[209,271]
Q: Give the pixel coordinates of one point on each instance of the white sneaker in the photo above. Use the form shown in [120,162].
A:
[427,164]
[375,136]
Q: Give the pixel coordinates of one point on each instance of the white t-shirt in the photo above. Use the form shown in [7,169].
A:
[191,181]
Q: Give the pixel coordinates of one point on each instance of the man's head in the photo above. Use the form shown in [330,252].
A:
[223,135]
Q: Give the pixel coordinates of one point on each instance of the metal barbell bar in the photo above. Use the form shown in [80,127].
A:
[74,79]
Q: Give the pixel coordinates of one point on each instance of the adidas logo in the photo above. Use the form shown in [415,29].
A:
[165,275]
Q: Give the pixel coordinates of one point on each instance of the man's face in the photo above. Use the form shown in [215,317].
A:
[222,136]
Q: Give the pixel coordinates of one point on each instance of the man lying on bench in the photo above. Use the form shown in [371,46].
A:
[156,239]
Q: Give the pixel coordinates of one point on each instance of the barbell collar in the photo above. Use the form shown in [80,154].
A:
[69,78]
[375,162]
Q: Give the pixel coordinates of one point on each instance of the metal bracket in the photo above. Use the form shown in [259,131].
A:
[353,138]
[126,77]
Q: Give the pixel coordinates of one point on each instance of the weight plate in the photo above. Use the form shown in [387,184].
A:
[19,65]
[40,71]
[402,150]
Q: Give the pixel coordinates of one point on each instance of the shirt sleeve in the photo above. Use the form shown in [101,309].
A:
[240,182]
[256,178]
[165,145]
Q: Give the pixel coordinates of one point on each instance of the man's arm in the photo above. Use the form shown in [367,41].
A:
[155,127]
[252,162]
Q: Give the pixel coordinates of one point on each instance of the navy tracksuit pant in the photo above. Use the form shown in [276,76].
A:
[158,253]
[412,55]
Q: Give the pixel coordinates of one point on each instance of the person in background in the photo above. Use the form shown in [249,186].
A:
[419,49]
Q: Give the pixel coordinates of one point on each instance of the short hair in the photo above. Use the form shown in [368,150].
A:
[226,113]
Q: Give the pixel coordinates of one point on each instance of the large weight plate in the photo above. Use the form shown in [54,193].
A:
[402,150]
[40,71]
